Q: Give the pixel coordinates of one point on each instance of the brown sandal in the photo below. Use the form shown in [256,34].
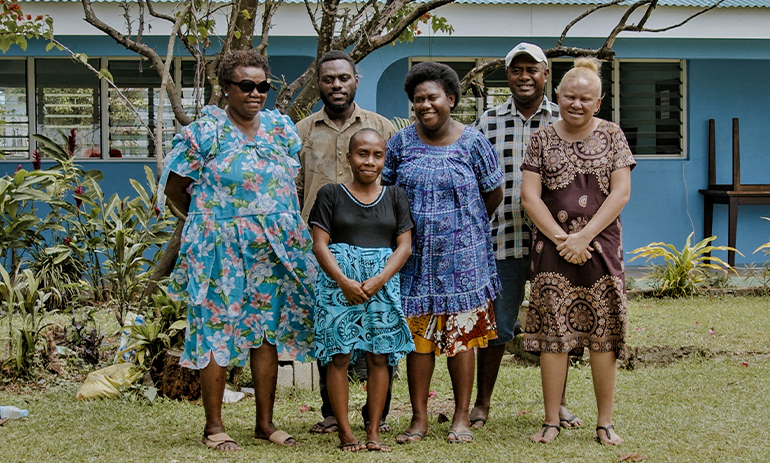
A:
[215,440]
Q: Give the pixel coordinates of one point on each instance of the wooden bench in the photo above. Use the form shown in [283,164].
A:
[733,194]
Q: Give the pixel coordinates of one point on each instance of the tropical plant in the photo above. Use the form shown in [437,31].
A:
[24,294]
[765,247]
[683,272]
[20,227]
[761,273]
[114,235]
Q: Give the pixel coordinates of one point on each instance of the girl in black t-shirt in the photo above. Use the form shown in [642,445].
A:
[358,301]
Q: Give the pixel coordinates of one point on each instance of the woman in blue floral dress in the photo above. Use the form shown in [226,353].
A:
[245,265]
[453,182]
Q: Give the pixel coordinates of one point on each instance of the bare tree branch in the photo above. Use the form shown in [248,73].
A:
[474,79]
[144,50]
[688,19]
[311,15]
[583,16]
[155,14]
[140,32]
[622,23]
[471,79]
[271,7]
[122,96]
[165,79]
[363,48]
[648,13]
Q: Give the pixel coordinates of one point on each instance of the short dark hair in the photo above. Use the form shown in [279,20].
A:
[429,71]
[334,55]
[361,132]
[232,60]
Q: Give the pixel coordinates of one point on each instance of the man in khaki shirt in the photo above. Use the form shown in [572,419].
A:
[325,138]
[326,134]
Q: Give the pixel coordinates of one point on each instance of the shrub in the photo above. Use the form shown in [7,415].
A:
[683,271]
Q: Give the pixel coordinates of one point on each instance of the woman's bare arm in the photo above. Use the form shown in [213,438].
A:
[394,264]
[351,289]
[176,191]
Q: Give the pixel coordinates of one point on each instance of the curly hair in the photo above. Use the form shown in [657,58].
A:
[429,71]
[334,55]
[235,59]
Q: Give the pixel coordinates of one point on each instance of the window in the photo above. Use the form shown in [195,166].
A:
[14,121]
[140,84]
[646,98]
[67,97]
[652,106]
[194,97]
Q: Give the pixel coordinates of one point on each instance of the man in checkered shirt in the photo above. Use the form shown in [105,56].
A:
[508,128]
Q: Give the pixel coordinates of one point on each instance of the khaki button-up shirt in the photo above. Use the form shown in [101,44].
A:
[325,150]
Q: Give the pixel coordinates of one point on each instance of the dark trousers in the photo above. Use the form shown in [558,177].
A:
[359,367]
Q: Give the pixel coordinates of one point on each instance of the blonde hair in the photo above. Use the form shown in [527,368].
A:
[588,68]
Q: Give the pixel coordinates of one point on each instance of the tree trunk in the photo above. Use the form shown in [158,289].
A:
[167,261]
[176,382]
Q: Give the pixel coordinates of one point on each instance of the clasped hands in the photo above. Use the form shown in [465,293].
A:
[357,293]
[574,248]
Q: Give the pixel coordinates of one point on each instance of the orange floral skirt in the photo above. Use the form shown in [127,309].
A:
[455,333]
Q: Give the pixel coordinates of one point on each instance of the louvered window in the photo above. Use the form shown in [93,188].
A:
[14,121]
[141,85]
[67,97]
[652,106]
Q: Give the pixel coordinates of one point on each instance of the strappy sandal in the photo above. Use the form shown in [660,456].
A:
[606,430]
[353,446]
[454,437]
[569,422]
[547,426]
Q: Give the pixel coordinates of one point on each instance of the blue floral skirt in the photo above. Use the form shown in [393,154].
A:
[376,326]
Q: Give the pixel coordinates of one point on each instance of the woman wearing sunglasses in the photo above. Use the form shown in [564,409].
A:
[245,266]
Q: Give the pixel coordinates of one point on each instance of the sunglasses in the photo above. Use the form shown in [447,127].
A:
[248,86]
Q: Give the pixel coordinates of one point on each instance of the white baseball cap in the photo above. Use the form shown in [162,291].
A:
[525,48]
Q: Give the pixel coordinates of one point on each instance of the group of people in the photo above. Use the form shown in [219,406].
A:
[421,237]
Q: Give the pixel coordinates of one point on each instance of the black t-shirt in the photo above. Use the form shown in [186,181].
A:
[347,220]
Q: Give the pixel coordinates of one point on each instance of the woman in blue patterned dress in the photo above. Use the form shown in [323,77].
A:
[358,302]
[453,181]
[245,267]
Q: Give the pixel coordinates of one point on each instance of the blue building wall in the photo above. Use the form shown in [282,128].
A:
[725,79]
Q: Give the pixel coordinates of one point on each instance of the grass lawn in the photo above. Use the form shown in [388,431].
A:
[702,409]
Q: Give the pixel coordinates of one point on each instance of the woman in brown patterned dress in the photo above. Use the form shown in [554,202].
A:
[575,181]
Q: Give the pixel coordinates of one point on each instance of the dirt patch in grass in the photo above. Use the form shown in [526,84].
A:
[651,356]
[638,357]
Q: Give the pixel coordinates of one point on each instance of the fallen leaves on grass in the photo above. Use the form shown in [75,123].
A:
[304,408]
[524,412]
[632,457]
[712,332]
[442,418]
[745,364]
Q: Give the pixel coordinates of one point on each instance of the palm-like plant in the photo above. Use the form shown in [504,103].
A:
[685,270]
[765,247]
